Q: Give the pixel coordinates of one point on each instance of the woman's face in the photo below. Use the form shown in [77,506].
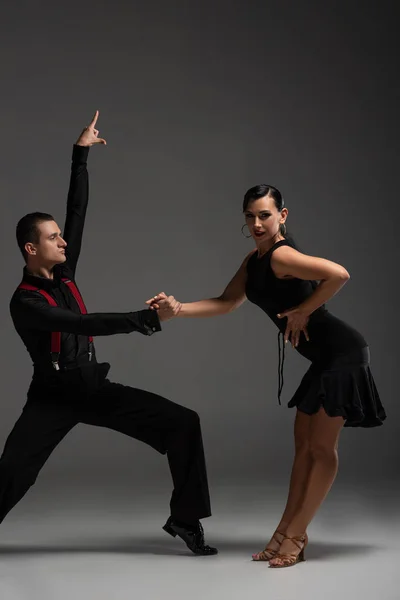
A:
[263,219]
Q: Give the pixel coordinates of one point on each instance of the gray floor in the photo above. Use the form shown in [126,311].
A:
[83,542]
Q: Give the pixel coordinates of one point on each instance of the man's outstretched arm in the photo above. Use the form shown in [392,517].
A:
[78,194]
[31,311]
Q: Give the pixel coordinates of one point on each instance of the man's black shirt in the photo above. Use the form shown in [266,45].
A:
[34,318]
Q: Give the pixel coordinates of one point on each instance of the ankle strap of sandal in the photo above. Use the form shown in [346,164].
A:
[297,540]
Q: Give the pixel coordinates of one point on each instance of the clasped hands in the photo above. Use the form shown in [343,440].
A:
[167,307]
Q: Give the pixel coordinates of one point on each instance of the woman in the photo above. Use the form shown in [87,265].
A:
[337,390]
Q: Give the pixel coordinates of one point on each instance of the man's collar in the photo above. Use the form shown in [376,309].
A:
[43,283]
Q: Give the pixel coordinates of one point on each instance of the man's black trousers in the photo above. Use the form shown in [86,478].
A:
[166,426]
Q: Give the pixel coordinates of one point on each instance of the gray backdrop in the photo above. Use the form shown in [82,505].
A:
[198,102]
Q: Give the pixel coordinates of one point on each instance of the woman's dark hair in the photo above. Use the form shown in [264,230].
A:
[27,229]
[259,191]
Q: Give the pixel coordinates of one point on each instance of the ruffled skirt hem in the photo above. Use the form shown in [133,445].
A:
[345,388]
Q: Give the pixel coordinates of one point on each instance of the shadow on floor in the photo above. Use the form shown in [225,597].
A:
[316,550]
[164,547]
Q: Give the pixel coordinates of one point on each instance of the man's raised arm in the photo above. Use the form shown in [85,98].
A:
[78,194]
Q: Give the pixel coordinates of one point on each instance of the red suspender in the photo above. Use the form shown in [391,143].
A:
[77,295]
[56,335]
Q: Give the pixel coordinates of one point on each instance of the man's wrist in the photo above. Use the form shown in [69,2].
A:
[80,153]
[151,321]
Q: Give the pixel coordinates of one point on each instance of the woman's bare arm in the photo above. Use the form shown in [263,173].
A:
[231,298]
[288,262]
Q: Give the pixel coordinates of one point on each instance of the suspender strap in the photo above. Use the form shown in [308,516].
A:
[55,346]
[77,295]
[56,335]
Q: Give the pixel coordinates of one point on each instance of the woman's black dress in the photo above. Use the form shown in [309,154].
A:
[339,378]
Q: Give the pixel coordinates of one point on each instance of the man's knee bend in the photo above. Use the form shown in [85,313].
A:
[7,468]
[189,419]
[11,469]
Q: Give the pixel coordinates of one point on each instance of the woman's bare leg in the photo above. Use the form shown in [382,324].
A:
[301,468]
[298,483]
[323,443]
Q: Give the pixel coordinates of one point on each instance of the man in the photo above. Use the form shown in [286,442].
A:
[69,386]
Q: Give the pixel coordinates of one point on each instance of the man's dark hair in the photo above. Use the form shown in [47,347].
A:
[27,229]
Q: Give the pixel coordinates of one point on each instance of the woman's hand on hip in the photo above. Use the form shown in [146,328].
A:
[297,321]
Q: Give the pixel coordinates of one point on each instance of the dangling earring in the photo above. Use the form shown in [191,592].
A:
[283,228]
[246,236]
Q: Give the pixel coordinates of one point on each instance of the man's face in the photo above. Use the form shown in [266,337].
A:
[51,247]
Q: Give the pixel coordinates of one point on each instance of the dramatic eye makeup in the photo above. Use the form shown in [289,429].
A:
[261,215]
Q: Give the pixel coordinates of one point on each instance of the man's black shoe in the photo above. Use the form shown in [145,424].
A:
[192,535]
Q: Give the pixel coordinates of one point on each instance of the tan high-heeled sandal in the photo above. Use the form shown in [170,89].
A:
[262,556]
[289,560]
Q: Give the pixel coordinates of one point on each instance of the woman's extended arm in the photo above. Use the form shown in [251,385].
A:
[231,298]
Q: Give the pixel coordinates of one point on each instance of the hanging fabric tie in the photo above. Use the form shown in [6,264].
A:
[281,362]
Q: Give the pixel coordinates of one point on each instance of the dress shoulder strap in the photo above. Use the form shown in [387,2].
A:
[278,245]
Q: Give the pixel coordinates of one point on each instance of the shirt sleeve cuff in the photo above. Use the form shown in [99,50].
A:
[80,154]
[151,322]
